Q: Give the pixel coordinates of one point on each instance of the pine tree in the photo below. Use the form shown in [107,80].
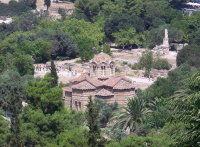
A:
[47,3]
[16,105]
[94,136]
[54,75]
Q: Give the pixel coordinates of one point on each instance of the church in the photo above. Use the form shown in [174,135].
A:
[102,82]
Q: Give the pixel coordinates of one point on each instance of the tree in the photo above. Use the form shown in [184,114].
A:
[94,135]
[105,110]
[47,3]
[186,104]
[29,3]
[15,108]
[131,115]
[12,80]
[54,75]
[24,64]
[41,95]
[190,55]
[122,21]
[4,129]
[88,7]
[135,7]
[126,37]
[146,60]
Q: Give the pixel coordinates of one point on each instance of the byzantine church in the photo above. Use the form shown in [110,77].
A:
[102,82]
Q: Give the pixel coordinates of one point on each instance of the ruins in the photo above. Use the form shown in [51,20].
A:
[163,48]
[102,81]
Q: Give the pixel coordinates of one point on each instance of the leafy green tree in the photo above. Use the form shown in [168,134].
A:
[88,7]
[80,29]
[4,129]
[47,3]
[15,108]
[135,7]
[94,135]
[28,21]
[190,55]
[105,110]
[122,22]
[74,137]
[146,60]
[85,49]
[186,106]
[42,129]
[29,3]
[54,75]
[131,115]
[105,48]
[41,95]
[126,37]
[24,64]
[12,80]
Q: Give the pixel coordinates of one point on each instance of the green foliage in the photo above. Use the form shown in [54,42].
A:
[146,60]
[190,55]
[41,129]
[106,49]
[135,7]
[13,8]
[75,137]
[15,124]
[160,63]
[4,129]
[123,22]
[105,110]
[126,37]
[94,135]
[12,80]
[54,75]
[88,7]
[29,3]
[62,13]
[131,115]
[186,105]
[47,3]
[24,64]
[42,95]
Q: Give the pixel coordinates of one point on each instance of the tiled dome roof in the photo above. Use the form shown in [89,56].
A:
[102,57]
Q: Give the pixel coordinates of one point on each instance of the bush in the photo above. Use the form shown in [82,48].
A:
[189,54]
[161,64]
[124,62]
[136,66]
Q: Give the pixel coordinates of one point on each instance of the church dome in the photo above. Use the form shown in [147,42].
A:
[102,57]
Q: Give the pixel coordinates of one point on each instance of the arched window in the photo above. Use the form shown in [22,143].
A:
[103,70]
[79,105]
[111,68]
[76,106]
[94,69]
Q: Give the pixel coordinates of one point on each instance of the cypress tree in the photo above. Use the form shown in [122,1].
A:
[54,75]
[16,105]
[94,136]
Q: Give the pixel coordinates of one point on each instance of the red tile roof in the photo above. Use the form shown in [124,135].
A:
[83,85]
[94,82]
[104,92]
[67,89]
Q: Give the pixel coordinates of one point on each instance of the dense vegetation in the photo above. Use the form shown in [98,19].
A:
[165,114]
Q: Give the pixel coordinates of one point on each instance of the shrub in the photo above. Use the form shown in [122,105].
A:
[124,62]
[136,66]
[161,64]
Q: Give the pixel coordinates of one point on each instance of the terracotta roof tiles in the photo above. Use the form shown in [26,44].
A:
[104,92]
